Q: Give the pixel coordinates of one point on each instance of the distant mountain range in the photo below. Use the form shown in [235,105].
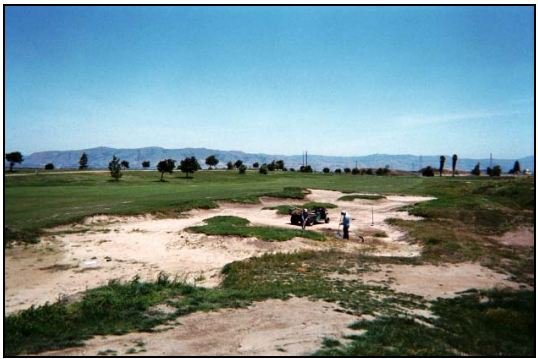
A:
[99,157]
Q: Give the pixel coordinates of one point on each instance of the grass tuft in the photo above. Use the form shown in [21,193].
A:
[236,226]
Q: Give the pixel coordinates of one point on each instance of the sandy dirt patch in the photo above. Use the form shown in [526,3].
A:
[89,254]
[431,282]
[270,328]
[521,237]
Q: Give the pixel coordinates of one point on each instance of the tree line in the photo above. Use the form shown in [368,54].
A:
[189,165]
[494,171]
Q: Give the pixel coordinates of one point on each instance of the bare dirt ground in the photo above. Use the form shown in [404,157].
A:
[521,237]
[270,328]
[431,281]
[73,258]
[77,257]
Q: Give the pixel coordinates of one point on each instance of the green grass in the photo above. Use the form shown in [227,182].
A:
[490,323]
[456,228]
[286,208]
[373,197]
[502,325]
[236,226]
[35,202]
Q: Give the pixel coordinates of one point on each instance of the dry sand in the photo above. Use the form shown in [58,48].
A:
[113,247]
[521,237]
[270,328]
[431,281]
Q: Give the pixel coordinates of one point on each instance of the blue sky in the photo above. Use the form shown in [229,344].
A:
[332,80]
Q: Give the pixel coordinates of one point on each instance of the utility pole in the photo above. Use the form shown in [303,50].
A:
[356,164]
[419,162]
[306,158]
[490,160]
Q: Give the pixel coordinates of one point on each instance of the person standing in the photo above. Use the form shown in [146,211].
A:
[346,221]
[304,218]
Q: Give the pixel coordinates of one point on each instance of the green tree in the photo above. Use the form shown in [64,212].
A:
[49,166]
[279,165]
[476,170]
[355,171]
[347,170]
[145,164]
[114,167]
[211,161]
[442,160]
[255,165]
[238,164]
[124,164]
[495,171]
[306,169]
[338,170]
[326,170]
[427,172]
[83,162]
[230,165]
[263,169]
[166,166]
[189,165]
[12,158]
[242,169]
[454,161]
[516,169]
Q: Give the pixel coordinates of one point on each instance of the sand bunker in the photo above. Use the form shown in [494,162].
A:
[77,257]
[521,237]
[270,328]
[431,282]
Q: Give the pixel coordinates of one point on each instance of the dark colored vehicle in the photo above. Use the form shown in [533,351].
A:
[315,216]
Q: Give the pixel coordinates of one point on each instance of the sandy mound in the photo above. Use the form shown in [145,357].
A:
[431,282]
[73,258]
[270,328]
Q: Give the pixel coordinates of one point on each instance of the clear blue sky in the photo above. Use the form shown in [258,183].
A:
[333,80]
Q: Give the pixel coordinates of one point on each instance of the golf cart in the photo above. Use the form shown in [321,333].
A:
[314,216]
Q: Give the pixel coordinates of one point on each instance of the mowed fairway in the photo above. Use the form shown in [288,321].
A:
[472,258]
[34,201]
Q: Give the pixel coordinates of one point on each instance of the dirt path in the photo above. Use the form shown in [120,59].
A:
[112,247]
[270,328]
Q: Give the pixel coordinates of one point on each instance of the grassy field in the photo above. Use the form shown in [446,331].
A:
[456,228]
[34,202]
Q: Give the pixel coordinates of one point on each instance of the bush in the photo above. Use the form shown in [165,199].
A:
[338,170]
[347,170]
[369,171]
[306,169]
[49,166]
[427,172]
[263,169]
[255,165]
[326,170]
[242,169]
[355,171]
[292,169]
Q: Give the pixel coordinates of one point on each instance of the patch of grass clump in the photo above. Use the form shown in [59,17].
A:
[373,197]
[236,226]
[287,208]
[490,323]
